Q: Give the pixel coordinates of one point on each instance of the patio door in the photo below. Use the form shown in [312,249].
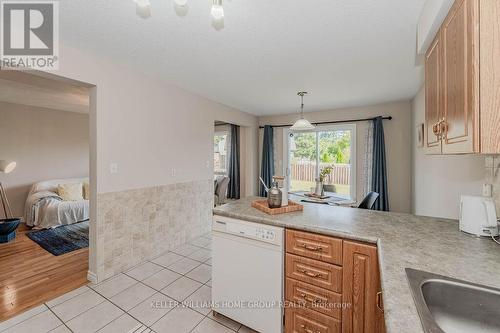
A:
[306,153]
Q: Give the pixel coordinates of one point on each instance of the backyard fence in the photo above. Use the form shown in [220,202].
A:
[306,171]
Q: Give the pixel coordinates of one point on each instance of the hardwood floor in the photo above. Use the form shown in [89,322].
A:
[30,276]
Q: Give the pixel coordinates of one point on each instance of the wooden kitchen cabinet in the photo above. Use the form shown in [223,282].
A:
[331,285]
[462,81]
[489,12]
[361,289]
[433,97]
[327,249]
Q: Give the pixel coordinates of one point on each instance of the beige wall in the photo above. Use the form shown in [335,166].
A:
[397,135]
[46,144]
[439,180]
[157,133]
[492,166]
[150,127]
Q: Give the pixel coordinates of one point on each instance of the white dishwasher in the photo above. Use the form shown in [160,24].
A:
[247,273]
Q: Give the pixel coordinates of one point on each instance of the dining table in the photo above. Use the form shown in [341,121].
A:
[329,198]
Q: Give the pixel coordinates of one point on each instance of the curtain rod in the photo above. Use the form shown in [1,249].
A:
[335,122]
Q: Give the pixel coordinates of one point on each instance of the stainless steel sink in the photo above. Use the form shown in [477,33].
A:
[447,305]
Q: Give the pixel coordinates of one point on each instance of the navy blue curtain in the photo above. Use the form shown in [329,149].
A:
[267,167]
[233,191]
[379,168]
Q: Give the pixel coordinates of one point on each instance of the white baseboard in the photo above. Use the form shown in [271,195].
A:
[92,277]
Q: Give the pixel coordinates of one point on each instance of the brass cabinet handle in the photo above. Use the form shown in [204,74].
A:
[305,272]
[443,127]
[310,299]
[440,128]
[379,302]
[312,248]
[435,129]
[307,330]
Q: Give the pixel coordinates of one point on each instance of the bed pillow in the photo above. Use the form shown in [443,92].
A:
[86,191]
[70,192]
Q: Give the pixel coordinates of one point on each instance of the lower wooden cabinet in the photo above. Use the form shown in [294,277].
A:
[302,320]
[361,289]
[318,299]
[323,297]
[317,273]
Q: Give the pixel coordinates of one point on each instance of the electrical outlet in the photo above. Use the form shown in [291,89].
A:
[113,168]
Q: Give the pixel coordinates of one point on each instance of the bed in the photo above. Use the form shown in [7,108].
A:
[46,209]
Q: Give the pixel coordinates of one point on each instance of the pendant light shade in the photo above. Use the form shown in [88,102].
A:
[181,3]
[302,124]
[142,3]
[217,10]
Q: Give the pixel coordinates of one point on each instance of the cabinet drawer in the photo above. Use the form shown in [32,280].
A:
[301,320]
[318,299]
[314,246]
[314,272]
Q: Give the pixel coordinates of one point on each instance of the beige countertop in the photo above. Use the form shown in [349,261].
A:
[429,244]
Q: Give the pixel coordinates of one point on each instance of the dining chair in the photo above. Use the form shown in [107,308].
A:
[369,201]
[221,190]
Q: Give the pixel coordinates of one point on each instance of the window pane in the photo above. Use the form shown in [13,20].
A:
[303,167]
[335,148]
[220,154]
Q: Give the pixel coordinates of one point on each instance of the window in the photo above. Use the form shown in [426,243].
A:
[310,151]
[221,160]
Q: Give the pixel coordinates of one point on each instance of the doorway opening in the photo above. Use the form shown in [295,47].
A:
[46,123]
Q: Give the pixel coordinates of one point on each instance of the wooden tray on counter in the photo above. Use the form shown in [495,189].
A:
[264,207]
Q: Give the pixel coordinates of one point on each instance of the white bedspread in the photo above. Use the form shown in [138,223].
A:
[45,209]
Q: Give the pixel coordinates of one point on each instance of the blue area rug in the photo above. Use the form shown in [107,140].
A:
[64,239]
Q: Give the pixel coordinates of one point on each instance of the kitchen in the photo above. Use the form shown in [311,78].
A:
[289,167]
[365,246]
[380,271]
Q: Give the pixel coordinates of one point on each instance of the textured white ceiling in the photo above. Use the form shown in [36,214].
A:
[344,52]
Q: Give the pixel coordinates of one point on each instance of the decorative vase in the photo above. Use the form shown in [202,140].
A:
[319,188]
[274,196]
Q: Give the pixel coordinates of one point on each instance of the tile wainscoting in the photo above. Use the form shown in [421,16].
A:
[492,164]
[136,225]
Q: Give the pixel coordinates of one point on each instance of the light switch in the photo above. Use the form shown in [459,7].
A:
[487,190]
[173,172]
[113,168]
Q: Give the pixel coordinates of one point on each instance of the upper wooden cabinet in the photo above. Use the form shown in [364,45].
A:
[433,107]
[462,70]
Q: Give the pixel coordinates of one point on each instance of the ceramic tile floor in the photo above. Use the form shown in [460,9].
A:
[169,294]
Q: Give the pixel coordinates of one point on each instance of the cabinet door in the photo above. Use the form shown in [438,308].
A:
[459,38]
[433,97]
[361,284]
[490,76]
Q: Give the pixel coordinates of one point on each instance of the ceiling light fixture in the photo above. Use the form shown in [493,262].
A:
[142,3]
[181,3]
[302,124]
[217,10]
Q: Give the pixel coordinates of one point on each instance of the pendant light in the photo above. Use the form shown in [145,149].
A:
[217,10]
[181,3]
[302,124]
[142,3]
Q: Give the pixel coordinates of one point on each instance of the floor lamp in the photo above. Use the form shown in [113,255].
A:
[6,167]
